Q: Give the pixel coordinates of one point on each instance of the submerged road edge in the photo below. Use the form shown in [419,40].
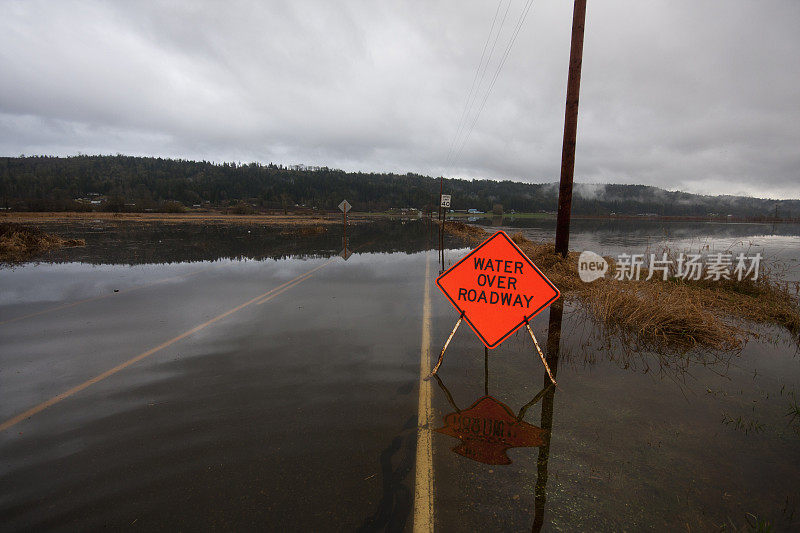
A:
[423,488]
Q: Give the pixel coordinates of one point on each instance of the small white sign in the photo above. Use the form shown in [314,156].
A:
[445,200]
[345,206]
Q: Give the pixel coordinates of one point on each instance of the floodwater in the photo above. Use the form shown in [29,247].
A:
[228,377]
[611,237]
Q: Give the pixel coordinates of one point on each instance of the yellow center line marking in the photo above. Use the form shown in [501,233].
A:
[95,298]
[291,283]
[74,390]
[423,488]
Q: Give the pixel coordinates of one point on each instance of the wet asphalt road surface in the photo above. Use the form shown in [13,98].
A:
[299,413]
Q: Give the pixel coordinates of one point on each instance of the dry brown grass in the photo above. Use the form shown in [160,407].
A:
[672,314]
[19,243]
[659,314]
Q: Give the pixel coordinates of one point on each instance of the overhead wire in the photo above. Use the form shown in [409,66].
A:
[480,70]
[515,32]
[474,79]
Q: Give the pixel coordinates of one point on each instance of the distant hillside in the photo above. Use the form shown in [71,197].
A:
[116,183]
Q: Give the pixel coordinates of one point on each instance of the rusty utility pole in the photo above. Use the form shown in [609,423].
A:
[570,129]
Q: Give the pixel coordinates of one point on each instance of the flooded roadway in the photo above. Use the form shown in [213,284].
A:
[270,387]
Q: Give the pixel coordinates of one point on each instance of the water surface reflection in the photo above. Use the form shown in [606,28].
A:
[134,243]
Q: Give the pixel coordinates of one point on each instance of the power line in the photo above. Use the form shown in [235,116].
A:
[474,78]
[520,21]
[471,101]
[517,28]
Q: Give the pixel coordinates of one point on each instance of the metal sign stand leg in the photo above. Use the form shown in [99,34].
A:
[441,355]
[544,361]
[485,371]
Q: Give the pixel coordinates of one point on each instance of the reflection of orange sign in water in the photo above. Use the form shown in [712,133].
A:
[487,429]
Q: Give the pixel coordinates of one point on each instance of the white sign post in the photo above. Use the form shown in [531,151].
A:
[345,207]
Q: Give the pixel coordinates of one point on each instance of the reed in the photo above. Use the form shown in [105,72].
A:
[20,243]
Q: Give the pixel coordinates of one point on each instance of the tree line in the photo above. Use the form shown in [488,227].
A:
[127,183]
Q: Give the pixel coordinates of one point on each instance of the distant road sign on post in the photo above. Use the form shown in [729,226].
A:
[345,207]
[445,200]
[497,289]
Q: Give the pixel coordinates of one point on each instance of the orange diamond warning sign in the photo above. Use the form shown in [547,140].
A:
[497,289]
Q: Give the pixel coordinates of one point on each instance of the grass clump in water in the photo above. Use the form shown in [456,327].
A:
[20,243]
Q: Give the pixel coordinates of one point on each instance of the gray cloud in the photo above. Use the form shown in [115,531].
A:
[699,96]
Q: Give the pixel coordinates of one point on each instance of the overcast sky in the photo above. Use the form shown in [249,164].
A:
[701,96]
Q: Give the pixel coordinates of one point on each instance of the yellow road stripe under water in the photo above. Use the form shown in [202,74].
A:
[423,488]
[291,283]
[261,298]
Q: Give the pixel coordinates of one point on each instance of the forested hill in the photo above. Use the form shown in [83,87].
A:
[139,183]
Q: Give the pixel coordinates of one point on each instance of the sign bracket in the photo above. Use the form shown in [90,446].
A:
[441,355]
[541,355]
